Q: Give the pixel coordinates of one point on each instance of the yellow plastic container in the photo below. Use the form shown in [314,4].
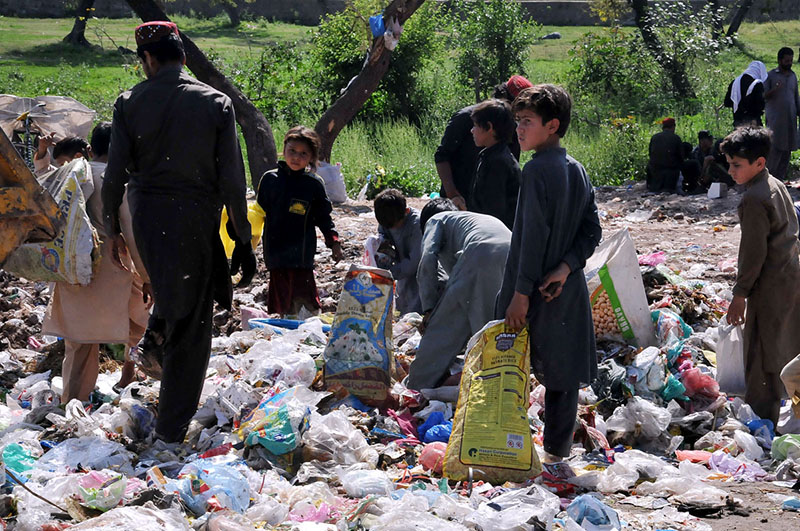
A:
[255,215]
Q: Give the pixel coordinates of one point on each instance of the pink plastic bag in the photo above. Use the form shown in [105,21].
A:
[699,383]
[695,456]
[432,457]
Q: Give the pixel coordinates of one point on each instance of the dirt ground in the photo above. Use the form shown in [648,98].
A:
[694,232]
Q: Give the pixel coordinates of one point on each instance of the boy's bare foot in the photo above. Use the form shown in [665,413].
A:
[128,374]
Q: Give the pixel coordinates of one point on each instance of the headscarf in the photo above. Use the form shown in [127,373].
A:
[758,71]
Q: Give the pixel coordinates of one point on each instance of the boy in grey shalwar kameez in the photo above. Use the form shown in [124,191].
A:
[400,225]
[556,229]
[471,248]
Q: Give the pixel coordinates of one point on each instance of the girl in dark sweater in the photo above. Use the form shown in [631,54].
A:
[294,200]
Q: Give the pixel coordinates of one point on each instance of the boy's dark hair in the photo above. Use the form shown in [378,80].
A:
[101,137]
[501,92]
[748,143]
[301,133]
[390,207]
[498,113]
[784,52]
[168,49]
[548,101]
[70,146]
[435,206]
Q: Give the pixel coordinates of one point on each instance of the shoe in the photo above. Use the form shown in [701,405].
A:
[149,354]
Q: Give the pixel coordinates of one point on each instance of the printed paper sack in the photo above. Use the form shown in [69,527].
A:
[359,353]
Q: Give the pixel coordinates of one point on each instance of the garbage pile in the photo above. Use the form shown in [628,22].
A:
[275,446]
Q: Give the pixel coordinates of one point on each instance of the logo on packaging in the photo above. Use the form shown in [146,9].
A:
[50,259]
[505,341]
[362,289]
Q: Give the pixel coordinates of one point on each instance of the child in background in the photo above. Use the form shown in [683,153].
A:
[400,225]
[768,277]
[556,229]
[497,175]
[65,150]
[295,202]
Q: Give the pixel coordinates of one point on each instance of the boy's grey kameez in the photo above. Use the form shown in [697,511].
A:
[556,222]
[471,248]
[407,241]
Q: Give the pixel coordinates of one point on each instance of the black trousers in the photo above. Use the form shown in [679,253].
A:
[560,412]
[187,348]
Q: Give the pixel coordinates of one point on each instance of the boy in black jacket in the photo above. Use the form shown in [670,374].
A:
[295,202]
[498,175]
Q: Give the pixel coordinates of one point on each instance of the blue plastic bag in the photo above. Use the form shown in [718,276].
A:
[377,26]
[438,433]
[597,513]
[206,484]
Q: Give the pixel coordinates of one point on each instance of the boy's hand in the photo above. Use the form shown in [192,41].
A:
[119,249]
[459,202]
[736,311]
[336,252]
[554,281]
[426,317]
[517,311]
[45,141]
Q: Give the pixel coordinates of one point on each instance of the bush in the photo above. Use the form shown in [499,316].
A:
[611,72]
[492,41]
[615,153]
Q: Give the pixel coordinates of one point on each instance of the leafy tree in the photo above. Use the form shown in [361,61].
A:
[492,41]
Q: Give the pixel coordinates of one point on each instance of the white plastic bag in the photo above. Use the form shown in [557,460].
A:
[361,483]
[334,181]
[616,291]
[748,445]
[640,415]
[730,359]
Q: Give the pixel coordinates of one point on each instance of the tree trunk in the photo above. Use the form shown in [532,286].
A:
[261,152]
[364,84]
[675,70]
[232,9]
[738,18]
[717,28]
[78,34]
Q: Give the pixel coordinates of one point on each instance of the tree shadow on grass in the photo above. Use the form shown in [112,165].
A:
[54,54]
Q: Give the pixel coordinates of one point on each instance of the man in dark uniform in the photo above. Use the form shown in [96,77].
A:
[457,155]
[666,159]
[174,143]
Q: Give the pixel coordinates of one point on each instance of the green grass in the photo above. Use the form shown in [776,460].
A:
[34,61]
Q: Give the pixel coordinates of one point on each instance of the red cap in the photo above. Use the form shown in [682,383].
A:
[154,31]
[517,84]
[668,122]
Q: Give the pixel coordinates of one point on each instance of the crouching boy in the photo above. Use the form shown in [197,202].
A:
[556,229]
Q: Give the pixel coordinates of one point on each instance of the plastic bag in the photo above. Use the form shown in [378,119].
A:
[147,517]
[334,181]
[435,428]
[359,354]
[592,514]
[255,215]
[277,360]
[333,437]
[432,456]
[730,359]
[87,453]
[619,303]
[102,490]
[268,510]
[491,432]
[526,508]
[205,485]
[670,327]
[697,382]
[786,447]
[18,461]
[361,483]
[639,415]
[748,445]
[71,256]
[279,420]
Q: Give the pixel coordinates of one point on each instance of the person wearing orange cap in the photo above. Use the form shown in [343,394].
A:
[666,158]
[174,143]
[457,155]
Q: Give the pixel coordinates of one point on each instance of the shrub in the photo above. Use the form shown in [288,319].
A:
[492,41]
[615,153]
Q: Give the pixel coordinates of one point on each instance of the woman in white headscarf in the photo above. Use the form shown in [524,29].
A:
[746,95]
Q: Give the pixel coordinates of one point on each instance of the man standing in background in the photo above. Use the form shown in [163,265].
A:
[783,106]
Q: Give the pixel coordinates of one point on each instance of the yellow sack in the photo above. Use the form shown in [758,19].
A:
[491,432]
[255,215]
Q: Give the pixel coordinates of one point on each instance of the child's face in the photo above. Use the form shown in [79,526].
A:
[742,170]
[532,133]
[297,155]
[483,137]
[63,159]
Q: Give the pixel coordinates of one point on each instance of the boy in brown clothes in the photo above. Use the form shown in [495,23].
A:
[768,281]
